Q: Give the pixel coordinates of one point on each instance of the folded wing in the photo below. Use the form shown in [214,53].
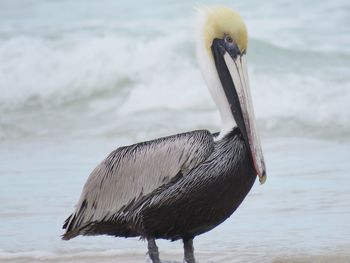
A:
[132,172]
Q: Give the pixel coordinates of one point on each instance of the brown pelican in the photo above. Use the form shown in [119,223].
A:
[181,186]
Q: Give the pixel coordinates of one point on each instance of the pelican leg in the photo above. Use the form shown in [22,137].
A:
[153,250]
[188,251]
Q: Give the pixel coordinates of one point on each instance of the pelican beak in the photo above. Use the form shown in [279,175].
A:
[231,66]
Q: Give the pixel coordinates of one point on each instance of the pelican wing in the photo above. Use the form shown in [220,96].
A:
[129,173]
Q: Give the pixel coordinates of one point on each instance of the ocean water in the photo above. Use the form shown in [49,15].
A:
[80,78]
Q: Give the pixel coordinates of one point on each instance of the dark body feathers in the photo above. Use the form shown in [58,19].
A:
[206,197]
[195,199]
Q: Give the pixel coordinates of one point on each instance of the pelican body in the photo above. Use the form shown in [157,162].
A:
[181,186]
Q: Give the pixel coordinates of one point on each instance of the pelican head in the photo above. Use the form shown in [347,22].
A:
[221,47]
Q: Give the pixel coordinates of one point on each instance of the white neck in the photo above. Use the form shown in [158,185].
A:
[211,77]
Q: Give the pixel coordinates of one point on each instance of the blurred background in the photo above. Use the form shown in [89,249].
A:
[80,78]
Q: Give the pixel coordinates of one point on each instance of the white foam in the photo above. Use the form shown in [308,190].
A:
[67,256]
[41,69]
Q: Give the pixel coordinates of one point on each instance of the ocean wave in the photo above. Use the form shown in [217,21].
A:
[39,70]
[71,256]
[127,256]
[129,74]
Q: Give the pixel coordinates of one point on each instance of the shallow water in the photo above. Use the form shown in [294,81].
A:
[77,80]
[301,212]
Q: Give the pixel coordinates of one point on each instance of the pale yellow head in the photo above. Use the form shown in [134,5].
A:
[220,20]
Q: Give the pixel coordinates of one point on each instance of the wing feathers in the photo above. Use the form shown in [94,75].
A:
[131,172]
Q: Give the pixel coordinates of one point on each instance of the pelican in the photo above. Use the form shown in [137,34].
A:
[181,186]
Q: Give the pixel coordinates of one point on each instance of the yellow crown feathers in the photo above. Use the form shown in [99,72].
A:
[221,20]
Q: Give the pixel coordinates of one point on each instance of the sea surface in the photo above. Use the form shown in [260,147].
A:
[80,78]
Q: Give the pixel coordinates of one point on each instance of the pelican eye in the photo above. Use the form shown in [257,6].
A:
[228,39]
[231,45]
